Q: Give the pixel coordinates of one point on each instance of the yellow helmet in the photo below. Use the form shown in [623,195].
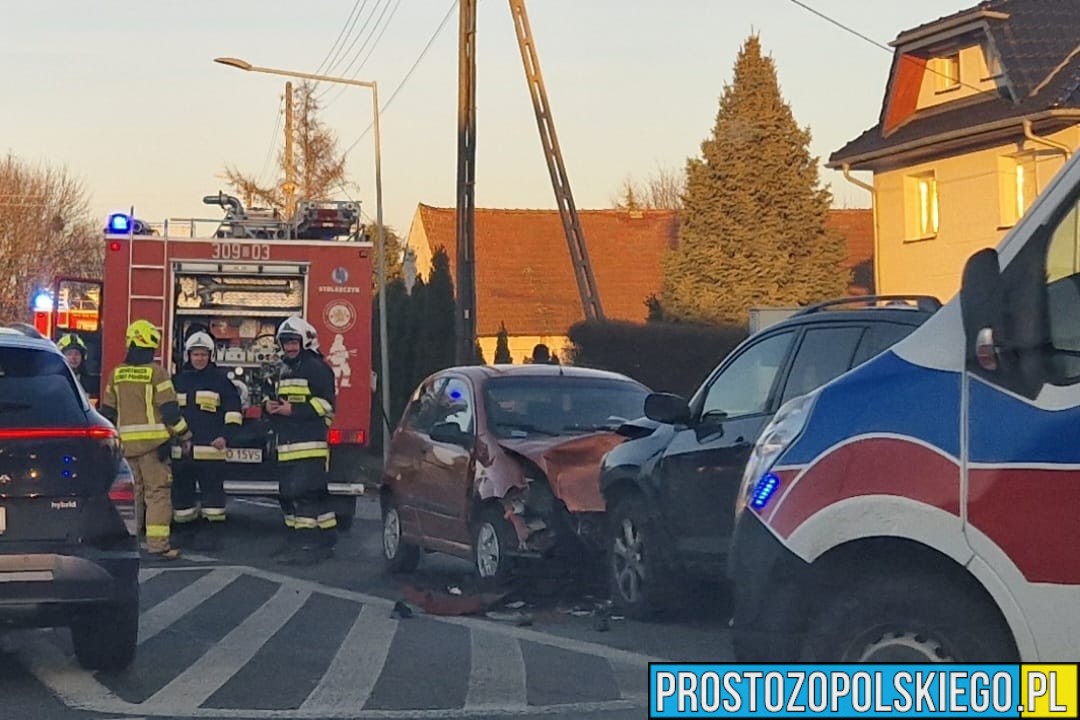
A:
[142,334]
[71,340]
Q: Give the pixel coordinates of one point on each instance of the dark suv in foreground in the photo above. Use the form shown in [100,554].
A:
[69,553]
[670,488]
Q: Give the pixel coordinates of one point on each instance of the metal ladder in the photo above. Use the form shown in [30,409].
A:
[158,276]
[575,236]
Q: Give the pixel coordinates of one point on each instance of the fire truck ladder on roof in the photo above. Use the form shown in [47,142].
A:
[156,276]
[575,236]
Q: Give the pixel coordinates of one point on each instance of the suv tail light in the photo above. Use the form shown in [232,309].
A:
[122,494]
[96,432]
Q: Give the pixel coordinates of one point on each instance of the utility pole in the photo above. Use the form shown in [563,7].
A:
[465,311]
[290,184]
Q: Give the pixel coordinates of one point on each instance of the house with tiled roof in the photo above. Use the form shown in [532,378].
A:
[981,110]
[524,278]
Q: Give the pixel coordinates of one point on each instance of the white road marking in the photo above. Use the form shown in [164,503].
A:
[168,611]
[359,661]
[497,675]
[147,573]
[356,667]
[198,682]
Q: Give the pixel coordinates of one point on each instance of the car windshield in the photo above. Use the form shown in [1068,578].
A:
[36,389]
[560,405]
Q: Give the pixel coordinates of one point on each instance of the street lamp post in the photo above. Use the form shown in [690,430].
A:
[380,249]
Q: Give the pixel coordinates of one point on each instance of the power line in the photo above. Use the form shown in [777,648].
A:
[419,59]
[273,145]
[340,36]
[886,48]
[341,90]
[330,68]
[345,73]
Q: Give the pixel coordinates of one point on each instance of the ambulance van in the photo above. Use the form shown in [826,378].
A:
[926,506]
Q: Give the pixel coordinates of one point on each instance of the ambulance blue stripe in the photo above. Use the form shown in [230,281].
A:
[885,395]
[1016,432]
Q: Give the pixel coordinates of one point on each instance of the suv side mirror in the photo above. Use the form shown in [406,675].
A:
[451,434]
[981,306]
[667,408]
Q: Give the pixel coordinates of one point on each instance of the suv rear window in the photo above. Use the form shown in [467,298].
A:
[37,390]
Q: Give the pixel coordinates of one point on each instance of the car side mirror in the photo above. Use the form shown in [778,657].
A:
[452,434]
[667,408]
[982,306]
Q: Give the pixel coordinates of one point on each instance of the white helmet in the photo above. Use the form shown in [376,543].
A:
[199,340]
[297,328]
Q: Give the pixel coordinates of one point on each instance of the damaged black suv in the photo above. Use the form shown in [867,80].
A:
[670,488]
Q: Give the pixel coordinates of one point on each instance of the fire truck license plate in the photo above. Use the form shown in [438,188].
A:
[243,455]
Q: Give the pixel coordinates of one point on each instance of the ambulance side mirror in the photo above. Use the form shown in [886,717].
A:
[982,307]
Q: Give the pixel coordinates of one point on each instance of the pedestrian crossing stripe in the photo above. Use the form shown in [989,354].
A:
[497,680]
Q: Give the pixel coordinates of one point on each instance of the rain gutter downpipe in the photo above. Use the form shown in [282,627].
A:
[846,167]
[1030,135]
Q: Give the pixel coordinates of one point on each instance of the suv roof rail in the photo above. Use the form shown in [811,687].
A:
[926,303]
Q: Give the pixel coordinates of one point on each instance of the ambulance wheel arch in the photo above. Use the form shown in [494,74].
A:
[894,600]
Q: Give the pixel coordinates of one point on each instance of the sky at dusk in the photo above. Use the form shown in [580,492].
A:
[124,93]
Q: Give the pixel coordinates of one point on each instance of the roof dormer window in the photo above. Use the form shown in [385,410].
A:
[947,69]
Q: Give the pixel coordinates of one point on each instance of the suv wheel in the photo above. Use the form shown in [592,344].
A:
[909,618]
[493,540]
[399,556]
[635,573]
[107,638]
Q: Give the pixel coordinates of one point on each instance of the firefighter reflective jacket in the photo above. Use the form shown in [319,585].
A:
[143,400]
[309,387]
[211,405]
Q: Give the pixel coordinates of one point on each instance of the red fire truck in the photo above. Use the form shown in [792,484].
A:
[239,282]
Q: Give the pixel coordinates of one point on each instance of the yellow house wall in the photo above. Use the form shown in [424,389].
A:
[521,347]
[417,241]
[971,215]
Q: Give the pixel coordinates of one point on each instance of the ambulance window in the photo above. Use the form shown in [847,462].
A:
[1063,294]
[824,354]
[745,386]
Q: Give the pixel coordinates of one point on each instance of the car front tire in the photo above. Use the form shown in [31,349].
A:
[639,583]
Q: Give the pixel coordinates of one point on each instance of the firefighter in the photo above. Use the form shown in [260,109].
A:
[211,405]
[141,401]
[302,409]
[74,350]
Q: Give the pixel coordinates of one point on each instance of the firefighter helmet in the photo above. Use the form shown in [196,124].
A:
[199,340]
[297,328]
[71,341]
[143,334]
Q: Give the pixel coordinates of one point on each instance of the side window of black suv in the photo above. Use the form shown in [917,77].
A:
[824,354]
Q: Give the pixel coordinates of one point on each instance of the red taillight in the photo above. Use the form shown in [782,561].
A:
[57,433]
[334,436]
[361,437]
[122,492]
[115,245]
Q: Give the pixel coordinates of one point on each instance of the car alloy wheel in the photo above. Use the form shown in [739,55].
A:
[627,561]
[391,533]
[488,551]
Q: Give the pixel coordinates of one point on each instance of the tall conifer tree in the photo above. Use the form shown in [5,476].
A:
[753,228]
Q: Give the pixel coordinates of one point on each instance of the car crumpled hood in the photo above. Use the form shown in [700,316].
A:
[571,464]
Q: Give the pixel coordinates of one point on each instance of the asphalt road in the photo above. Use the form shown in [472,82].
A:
[232,634]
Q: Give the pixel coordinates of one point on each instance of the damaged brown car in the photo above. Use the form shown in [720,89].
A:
[499,463]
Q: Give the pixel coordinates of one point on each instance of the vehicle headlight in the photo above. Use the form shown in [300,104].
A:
[777,436]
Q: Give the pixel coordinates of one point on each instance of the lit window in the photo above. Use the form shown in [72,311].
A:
[948,71]
[928,205]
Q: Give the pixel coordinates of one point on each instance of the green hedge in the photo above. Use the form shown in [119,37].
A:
[668,357]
